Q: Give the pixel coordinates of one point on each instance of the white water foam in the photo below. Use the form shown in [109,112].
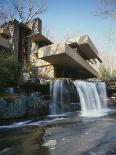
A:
[31,123]
[56,94]
[93,98]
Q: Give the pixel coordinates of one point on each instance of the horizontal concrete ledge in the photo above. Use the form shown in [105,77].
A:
[86,46]
[38,37]
[4,42]
[63,55]
[5,33]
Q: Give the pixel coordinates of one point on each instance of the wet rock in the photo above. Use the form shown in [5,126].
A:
[64,96]
[13,108]
[37,105]
[17,106]
[50,144]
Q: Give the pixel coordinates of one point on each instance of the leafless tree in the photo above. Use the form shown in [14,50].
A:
[22,10]
[71,34]
[107,8]
[110,38]
[47,30]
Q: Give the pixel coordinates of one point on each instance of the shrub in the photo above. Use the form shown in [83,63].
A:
[107,73]
[9,72]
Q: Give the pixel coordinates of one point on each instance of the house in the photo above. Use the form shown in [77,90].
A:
[70,59]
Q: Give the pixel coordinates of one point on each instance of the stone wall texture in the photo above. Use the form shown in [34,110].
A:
[44,68]
[29,105]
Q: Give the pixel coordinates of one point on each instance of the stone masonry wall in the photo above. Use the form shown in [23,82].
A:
[44,68]
[21,105]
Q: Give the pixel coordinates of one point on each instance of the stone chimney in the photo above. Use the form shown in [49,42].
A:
[35,25]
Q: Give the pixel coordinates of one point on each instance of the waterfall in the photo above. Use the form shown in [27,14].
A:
[101,87]
[56,97]
[93,98]
[63,97]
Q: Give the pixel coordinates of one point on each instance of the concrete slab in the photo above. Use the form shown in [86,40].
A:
[86,46]
[5,33]
[63,55]
[4,42]
[40,38]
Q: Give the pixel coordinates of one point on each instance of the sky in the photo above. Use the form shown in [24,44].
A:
[77,17]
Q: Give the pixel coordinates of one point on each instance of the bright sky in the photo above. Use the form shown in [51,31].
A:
[77,17]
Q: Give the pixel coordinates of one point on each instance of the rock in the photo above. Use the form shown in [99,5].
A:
[13,109]
[64,93]
[37,105]
[21,106]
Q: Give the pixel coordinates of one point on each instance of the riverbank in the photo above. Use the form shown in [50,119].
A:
[69,136]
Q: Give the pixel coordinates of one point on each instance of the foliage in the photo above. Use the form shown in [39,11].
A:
[9,98]
[107,73]
[27,67]
[31,71]
[9,72]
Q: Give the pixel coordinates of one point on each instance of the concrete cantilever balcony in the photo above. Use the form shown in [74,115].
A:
[5,32]
[63,55]
[4,43]
[86,47]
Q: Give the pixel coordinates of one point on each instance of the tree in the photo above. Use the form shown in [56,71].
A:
[9,72]
[107,70]
[108,8]
[102,72]
[48,32]
[106,73]
[22,10]
[71,35]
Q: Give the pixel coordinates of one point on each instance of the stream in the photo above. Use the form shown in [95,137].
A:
[70,134]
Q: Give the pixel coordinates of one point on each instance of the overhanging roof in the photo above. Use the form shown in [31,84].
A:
[86,46]
[63,55]
[4,42]
[38,37]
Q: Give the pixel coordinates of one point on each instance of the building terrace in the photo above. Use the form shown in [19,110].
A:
[69,59]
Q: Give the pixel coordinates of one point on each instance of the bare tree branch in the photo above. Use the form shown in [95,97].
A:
[107,8]
[22,10]
[38,12]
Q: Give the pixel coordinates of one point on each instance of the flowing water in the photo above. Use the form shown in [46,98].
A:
[56,97]
[101,88]
[93,98]
[63,97]
[96,135]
